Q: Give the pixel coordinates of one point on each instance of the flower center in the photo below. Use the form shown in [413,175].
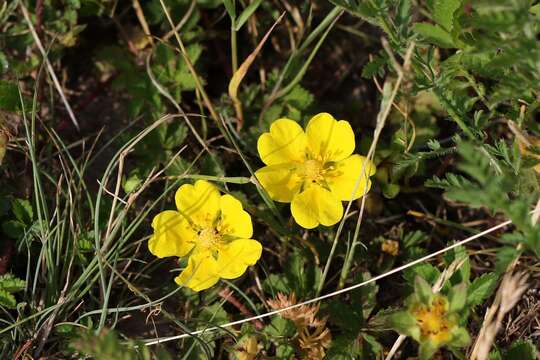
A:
[313,170]
[209,239]
[433,322]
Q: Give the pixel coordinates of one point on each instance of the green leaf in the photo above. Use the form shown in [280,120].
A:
[390,191]
[7,300]
[13,228]
[375,347]
[522,350]
[230,6]
[374,68]
[426,271]
[214,314]
[284,351]
[22,209]
[132,182]
[280,327]
[443,13]
[299,98]
[434,34]
[481,288]
[212,165]
[495,355]
[9,96]
[535,9]
[344,347]
[11,283]
[248,11]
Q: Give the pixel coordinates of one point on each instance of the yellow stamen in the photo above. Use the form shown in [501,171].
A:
[313,171]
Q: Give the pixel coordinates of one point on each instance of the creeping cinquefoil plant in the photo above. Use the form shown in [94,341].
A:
[314,170]
[212,230]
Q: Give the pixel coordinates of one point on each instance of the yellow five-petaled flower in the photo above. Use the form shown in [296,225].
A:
[314,169]
[212,229]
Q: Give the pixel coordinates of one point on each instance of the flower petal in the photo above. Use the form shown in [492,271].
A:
[316,205]
[342,180]
[198,202]
[281,181]
[200,273]
[173,236]
[235,257]
[329,139]
[234,220]
[285,142]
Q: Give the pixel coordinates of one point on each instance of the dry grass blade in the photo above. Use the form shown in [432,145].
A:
[238,76]
[512,287]
[48,65]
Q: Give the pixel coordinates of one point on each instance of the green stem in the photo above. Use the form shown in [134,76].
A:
[234,49]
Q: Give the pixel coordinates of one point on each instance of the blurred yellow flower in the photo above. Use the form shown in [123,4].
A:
[436,325]
[213,229]
[314,169]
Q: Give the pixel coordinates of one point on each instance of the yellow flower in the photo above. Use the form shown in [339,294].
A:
[313,170]
[213,229]
[435,323]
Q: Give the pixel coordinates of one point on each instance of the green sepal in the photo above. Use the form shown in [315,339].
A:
[457,298]
[460,337]
[426,350]
[404,323]
[422,290]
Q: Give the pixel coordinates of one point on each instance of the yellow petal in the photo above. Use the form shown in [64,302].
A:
[285,142]
[315,206]
[329,139]
[200,273]
[172,236]
[235,257]
[198,202]
[234,220]
[342,180]
[280,181]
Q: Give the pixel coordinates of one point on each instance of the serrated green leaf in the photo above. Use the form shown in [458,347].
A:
[434,34]
[7,299]
[13,228]
[481,288]
[11,283]
[522,350]
[443,13]
[426,271]
[374,68]
[285,352]
[22,209]
[280,327]
[9,96]
[299,98]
